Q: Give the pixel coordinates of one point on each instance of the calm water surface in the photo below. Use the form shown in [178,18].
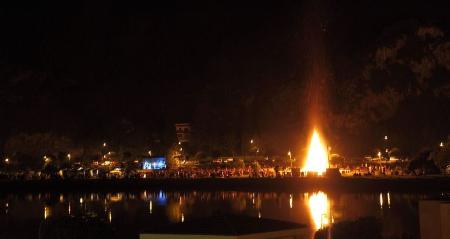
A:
[132,212]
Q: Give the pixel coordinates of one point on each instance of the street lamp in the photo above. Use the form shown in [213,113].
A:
[441,144]
[290,157]
[104,144]
[68,156]
[6,160]
[251,141]
[150,153]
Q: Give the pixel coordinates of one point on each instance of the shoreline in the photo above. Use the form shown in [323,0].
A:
[342,184]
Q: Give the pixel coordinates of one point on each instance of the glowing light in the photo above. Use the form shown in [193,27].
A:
[441,144]
[319,208]
[81,200]
[290,200]
[110,216]
[6,160]
[182,217]
[259,215]
[47,212]
[150,206]
[69,209]
[389,200]
[381,200]
[317,158]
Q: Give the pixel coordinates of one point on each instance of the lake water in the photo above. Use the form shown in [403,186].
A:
[129,213]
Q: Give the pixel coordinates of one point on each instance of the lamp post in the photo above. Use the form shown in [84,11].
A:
[379,160]
[290,157]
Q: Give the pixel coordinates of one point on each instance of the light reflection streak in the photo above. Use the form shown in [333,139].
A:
[319,207]
[389,200]
[150,206]
[381,201]
[290,201]
[47,212]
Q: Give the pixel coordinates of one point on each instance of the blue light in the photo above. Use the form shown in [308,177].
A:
[154,163]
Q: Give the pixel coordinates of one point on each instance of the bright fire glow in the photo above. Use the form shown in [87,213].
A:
[319,208]
[317,158]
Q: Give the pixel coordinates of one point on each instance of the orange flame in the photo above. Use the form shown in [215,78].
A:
[317,158]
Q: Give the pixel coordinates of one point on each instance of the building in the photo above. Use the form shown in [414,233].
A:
[183,131]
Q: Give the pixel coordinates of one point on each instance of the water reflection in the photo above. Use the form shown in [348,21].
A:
[138,210]
[319,207]
[389,200]
[47,212]
[290,201]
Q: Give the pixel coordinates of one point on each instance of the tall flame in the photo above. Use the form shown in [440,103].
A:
[317,158]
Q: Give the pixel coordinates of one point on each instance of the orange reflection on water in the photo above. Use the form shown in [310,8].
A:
[319,207]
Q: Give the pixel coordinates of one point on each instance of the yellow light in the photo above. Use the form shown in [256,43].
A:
[251,141]
[104,144]
[110,216]
[68,156]
[381,200]
[389,200]
[150,206]
[47,212]
[290,201]
[6,160]
[317,158]
[441,144]
[319,208]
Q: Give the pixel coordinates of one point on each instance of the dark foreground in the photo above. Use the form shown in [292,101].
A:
[354,184]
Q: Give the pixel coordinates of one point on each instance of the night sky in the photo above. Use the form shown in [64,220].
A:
[96,70]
